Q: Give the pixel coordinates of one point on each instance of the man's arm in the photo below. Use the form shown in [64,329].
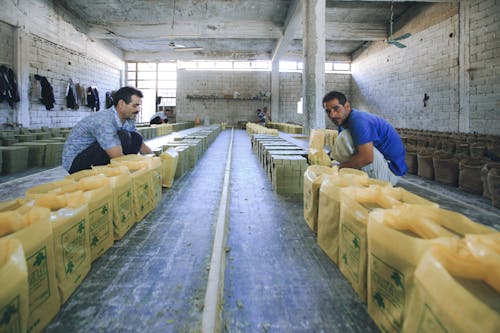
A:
[115,151]
[363,157]
[145,149]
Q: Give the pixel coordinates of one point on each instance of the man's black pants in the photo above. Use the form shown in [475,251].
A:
[95,155]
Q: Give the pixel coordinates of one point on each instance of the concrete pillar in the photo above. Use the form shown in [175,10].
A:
[21,66]
[275,91]
[463,69]
[313,87]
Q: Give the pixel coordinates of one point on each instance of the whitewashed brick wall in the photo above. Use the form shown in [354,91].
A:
[218,83]
[7,59]
[48,42]
[291,92]
[485,67]
[392,82]
[59,64]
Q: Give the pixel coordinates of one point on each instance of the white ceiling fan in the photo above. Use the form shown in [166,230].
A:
[182,48]
[178,47]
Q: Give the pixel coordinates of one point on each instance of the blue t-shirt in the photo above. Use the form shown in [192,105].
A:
[102,127]
[366,127]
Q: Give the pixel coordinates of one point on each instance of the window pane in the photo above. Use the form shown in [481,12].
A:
[131,83]
[288,65]
[131,66]
[260,64]
[146,66]
[167,76]
[131,75]
[187,64]
[242,64]
[146,84]
[167,92]
[167,84]
[341,66]
[167,66]
[206,64]
[146,75]
[224,64]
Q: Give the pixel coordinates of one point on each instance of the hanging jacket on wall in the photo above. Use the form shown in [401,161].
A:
[81,94]
[109,99]
[97,101]
[71,100]
[90,98]
[8,86]
[47,92]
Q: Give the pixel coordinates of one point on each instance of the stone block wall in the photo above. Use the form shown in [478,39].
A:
[291,92]
[393,82]
[218,84]
[47,40]
[7,59]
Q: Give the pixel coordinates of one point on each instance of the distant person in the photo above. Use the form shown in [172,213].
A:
[365,141]
[261,117]
[97,138]
[159,117]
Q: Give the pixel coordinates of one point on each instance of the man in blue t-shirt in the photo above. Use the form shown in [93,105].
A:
[365,141]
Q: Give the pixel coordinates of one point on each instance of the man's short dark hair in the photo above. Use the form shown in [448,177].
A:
[126,94]
[335,95]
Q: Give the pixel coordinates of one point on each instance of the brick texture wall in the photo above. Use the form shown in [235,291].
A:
[51,46]
[59,64]
[484,87]
[7,59]
[220,83]
[392,82]
[291,92]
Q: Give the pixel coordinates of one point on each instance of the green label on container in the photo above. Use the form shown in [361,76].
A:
[351,252]
[429,322]
[388,293]
[10,318]
[99,225]
[73,246]
[125,206]
[38,278]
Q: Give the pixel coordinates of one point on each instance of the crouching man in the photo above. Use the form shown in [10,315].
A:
[107,134]
[365,141]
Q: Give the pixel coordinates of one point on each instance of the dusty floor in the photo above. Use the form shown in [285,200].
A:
[277,279]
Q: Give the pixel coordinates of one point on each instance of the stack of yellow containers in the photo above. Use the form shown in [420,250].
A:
[418,266]
[398,239]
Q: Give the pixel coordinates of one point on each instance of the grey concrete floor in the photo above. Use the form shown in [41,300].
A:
[277,279]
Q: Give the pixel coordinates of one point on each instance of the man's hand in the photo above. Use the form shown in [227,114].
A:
[145,149]
[363,157]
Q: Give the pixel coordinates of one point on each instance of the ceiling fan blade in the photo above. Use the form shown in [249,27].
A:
[397,44]
[188,49]
[406,35]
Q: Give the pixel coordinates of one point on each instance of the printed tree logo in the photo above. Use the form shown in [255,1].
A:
[94,242]
[379,299]
[81,227]
[344,257]
[396,277]
[355,242]
[40,257]
[104,210]
[9,312]
[69,268]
